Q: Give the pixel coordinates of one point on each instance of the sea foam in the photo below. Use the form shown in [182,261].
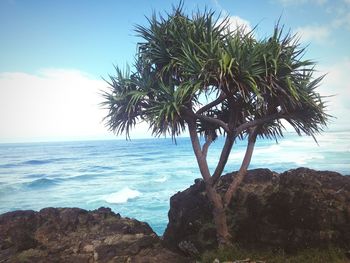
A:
[161,179]
[122,196]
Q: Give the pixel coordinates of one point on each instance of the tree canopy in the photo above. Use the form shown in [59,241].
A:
[184,62]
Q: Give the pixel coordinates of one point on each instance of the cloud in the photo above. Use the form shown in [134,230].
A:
[219,6]
[301,2]
[335,92]
[339,10]
[340,13]
[318,34]
[54,104]
[337,85]
[343,20]
[234,21]
[238,22]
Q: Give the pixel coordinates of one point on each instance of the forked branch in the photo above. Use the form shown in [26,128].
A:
[207,119]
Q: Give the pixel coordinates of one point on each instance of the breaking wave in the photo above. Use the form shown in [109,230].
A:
[122,196]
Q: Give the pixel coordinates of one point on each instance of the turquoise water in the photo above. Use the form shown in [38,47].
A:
[136,178]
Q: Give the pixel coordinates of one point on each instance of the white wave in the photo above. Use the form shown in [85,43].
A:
[303,159]
[161,179]
[269,149]
[290,157]
[122,196]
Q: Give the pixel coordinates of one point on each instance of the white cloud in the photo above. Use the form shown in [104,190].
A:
[61,104]
[54,104]
[319,34]
[217,4]
[335,90]
[343,20]
[337,83]
[238,22]
[323,33]
[338,9]
[234,21]
[301,2]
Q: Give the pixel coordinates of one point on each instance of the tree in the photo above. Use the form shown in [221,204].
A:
[193,73]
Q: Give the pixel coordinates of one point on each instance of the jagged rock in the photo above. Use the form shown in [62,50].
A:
[296,209]
[79,236]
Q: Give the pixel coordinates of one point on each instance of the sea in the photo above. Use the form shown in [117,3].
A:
[137,178]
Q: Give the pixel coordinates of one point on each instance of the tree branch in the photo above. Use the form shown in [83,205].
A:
[201,159]
[260,121]
[211,120]
[236,180]
[211,104]
[223,159]
[208,141]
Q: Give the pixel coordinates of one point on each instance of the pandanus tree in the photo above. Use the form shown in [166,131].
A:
[192,73]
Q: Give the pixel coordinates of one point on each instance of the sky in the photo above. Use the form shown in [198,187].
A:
[55,54]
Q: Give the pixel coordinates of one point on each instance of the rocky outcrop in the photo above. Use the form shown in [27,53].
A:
[79,236]
[296,209]
[299,208]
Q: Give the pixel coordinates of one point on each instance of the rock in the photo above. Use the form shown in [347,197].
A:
[188,248]
[347,254]
[293,210]
[79,236]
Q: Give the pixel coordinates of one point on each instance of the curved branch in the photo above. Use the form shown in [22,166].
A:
[211,104]
[201,159]
[211,120]
[204,118]
[236,181]
[208,141]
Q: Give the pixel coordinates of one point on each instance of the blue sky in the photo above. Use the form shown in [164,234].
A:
[54,53]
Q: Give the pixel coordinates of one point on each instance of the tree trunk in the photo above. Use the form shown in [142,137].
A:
[223,235]
[243,169]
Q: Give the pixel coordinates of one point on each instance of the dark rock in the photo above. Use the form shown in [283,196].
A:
[188,248]
[347,254]
[297,209]
[79,236]
[18,234]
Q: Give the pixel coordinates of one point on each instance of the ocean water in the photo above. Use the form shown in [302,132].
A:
[136,178]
